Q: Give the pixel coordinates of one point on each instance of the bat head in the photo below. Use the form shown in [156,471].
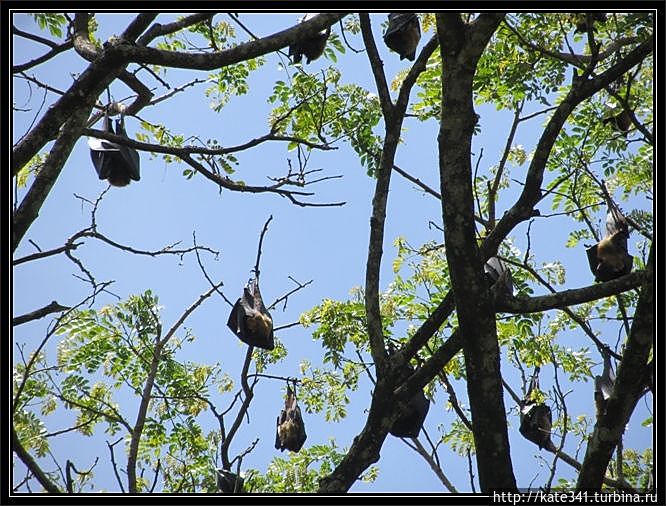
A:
[118,177]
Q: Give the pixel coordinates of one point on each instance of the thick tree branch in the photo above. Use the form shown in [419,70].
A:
[565,298]
[53,307]
[376,66]
[385,406]
[236,54]
[461,47]
[32,465]
[31,204]
[80,95]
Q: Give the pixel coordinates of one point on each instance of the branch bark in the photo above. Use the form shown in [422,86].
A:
[461,46]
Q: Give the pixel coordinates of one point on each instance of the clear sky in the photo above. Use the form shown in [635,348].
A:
[326,245]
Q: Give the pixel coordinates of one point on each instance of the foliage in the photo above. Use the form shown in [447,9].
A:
[118,360]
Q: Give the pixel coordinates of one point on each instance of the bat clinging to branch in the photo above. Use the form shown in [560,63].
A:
[290,433]
[609,258]
[312,47]
[403,34]
[250,320]
[495,270]
[228,482]
[410,420]
[114,162]
[536,419]
[603,385]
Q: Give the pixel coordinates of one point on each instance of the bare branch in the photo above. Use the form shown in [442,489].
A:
[53,307]
[261,241]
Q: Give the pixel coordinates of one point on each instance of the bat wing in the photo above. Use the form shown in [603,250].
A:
[493,268]
[278,442]
[130,156]
[258,321]
[536,423]
[592,259]
[250,324]
[312,47]
[103,153]
[101,161]
[603,384]
[235,318]
[301,436]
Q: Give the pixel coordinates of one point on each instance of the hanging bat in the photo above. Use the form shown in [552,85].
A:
[494,269]
[581,20]
[536,419]
[290,433]
[620,122]
[403,34]
[312,47]
[228,482]
[609,258]
[603,385]
[114,162]
[410,420]
[250,320]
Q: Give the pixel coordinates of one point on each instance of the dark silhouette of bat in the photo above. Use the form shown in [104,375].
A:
[310,47]
[290,433]
[403,34]
[603,385]
[581,20]
[609,258]
[536,419]
[410,420]
[495,270]
[250,320]
[228,482]
[620,122]
[114,162]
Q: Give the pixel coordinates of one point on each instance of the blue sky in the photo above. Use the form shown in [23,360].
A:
[327,245]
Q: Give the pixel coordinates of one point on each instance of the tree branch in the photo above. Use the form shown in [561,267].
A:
[53,307]
[31,464]
[146,394]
